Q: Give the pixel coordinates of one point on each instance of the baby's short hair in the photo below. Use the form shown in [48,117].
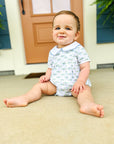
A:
[72,14]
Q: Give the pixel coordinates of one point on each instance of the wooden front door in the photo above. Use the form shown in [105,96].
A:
[37,16]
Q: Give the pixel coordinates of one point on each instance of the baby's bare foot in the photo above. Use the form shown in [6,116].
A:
[16,102]
[92,109]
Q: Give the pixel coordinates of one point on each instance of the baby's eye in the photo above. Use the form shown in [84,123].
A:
[57,28]
[67,28]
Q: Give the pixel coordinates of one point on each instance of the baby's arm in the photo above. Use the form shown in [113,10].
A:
[46,77]
[79,85]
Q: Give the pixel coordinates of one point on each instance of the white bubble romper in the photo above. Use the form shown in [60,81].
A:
[65,64]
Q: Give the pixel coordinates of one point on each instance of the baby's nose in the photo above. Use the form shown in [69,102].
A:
[62,30]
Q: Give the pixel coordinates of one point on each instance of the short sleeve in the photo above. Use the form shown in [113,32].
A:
[82,55]
[50,60]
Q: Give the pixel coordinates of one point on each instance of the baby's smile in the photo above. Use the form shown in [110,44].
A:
[61,36]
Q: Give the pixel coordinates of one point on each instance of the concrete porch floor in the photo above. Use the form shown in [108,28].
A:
[56,120]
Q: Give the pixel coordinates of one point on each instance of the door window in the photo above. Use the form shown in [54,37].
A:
[41,6]
[49,6]
[59,5]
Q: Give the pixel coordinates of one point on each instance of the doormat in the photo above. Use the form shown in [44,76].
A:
[34,75]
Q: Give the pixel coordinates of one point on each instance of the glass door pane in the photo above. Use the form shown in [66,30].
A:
[41,6]
[59,5]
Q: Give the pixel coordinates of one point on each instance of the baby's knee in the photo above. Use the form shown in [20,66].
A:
[39,87]
[47,88]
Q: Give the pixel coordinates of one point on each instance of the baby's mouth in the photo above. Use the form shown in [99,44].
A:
[61,36]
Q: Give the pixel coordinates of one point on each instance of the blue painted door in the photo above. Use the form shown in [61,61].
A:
[4,33]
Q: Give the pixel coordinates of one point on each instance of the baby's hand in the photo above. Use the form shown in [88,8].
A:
[78,87]
[43,78]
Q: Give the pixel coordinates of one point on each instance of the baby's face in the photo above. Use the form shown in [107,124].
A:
[64,30]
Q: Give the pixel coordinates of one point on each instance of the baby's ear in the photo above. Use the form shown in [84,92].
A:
[77,35]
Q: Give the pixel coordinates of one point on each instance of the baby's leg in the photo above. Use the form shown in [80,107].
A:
[34,94]
[87,104]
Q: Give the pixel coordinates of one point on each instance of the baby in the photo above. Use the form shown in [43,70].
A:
[68,69]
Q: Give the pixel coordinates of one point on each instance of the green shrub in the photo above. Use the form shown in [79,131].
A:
[107,7]
[1,25]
